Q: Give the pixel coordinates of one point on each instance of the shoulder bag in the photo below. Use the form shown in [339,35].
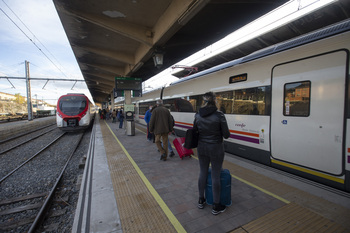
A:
[191,139]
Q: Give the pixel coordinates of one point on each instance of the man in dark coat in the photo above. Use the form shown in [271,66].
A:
[161,124]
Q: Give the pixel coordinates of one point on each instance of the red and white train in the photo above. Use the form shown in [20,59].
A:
[74,112]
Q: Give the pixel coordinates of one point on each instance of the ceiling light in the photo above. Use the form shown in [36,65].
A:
[158,58]
[114,14]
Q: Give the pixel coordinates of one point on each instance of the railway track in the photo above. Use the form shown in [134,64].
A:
[11,118]
[29,188]
[39,129]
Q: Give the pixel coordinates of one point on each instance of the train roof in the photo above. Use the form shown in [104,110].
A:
[298,41]
[75,94]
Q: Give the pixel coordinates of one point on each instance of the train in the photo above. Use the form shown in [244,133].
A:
[74,112]
[287,106]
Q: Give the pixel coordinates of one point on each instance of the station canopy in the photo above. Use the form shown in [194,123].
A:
[119,38]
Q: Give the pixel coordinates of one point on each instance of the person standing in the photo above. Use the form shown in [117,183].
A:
[161,124]
[147,119]
[212,126]
[121,118]
[114,115]
[107,114]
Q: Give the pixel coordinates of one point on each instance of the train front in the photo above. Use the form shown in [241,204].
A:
[73,112]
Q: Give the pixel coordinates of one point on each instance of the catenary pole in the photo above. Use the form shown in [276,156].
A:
[29,98]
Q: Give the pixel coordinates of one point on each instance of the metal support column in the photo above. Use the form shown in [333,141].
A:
[112,100]
[29,95]
[129,113]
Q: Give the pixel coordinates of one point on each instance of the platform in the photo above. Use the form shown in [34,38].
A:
[127,188]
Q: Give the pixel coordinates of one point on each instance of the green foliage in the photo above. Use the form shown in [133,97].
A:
[20,99]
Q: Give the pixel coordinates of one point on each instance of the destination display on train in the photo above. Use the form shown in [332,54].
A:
[238,78]
[127,83]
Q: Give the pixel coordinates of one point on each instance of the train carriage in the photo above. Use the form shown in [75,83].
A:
[287,106]
[74,112]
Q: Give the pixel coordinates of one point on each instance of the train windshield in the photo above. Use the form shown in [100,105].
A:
[72,105]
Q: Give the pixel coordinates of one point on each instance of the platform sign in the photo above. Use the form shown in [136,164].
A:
[127,83]
[129,108]
[135,93]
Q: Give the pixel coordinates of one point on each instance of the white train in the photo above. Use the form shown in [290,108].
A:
[74,112]
[287,106]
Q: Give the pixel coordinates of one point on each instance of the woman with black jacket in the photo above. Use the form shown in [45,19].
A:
[212,128]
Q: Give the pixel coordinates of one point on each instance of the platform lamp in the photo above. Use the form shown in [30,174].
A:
[158,58]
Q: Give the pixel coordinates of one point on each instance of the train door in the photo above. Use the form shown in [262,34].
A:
[307,112]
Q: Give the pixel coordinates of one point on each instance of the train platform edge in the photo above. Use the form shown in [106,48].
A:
[127,188]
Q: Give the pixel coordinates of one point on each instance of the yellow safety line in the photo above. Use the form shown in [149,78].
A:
[257,187]
[261,189]
[177,225]
[254,186]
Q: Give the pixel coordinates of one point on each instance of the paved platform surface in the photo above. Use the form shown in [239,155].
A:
[161,196]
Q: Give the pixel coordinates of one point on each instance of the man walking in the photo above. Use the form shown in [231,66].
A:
[161,124]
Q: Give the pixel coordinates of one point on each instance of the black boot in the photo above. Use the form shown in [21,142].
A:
[218,208]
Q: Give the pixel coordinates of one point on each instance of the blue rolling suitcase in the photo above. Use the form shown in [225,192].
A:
[225,193]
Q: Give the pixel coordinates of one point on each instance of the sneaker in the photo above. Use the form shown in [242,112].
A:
[218,208]
[171,154]
[201,203]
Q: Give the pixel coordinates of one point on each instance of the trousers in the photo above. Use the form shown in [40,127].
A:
[162,138]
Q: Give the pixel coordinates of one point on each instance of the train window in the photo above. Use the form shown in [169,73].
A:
[196,102]
[179,105]
[250,101]
[297,99]
[169,104]
[72,105]
[225,101]
[143,107]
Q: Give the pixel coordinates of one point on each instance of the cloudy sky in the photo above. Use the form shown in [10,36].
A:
[32,31]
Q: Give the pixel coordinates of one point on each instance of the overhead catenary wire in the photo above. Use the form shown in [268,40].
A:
[30,38]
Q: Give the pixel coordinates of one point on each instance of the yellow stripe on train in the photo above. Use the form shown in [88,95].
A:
[315,173]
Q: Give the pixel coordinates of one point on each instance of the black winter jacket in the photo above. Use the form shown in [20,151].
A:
[211,125]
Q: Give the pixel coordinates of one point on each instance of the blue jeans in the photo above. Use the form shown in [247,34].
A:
[169,146]
[149,135]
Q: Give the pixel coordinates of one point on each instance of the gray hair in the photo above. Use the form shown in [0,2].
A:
[160,102]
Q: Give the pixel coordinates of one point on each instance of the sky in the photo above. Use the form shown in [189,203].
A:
[32,31]
[42,41]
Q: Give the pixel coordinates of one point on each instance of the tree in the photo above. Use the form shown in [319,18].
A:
[19,99]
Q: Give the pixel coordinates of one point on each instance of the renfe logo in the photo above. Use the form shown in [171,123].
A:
[242,125]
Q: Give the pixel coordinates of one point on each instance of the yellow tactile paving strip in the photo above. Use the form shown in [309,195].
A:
[291,218]
[289,194]
[138,208]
